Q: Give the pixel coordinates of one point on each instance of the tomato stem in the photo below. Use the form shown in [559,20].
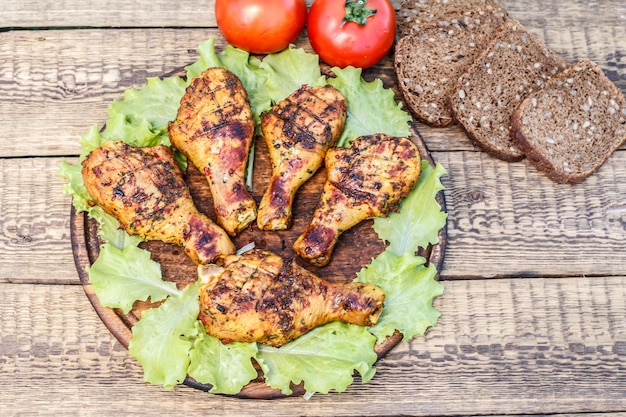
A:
[357,12]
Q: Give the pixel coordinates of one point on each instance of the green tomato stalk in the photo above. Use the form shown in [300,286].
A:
[357,12]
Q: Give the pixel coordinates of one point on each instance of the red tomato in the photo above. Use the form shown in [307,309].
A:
[351,32]
[260,26]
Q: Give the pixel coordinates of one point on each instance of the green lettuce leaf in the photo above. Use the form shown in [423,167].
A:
[110,231]
[136,131]
[164,336]
[90,141]
[419,219]
[324,358]
[248,69]
[136,120]
[208,59]
[122,276]
[74,187]
[288,70]
[157,102]
[409,287]
[371,107]
[139,120]
[227,367]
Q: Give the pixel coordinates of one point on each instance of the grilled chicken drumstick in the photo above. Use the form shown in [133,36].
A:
[214,128]
[143,188]
[368,179]
[298,132]
[260,297]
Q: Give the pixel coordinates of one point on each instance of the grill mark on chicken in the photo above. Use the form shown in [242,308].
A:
[361,186]
[298,132]
[301,125]
[143,188]
[214,128]
[369,179]
[261,297]
[164,182]
[317,236]
[133,163]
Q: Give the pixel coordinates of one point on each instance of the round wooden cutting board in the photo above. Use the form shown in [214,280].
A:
[355,249]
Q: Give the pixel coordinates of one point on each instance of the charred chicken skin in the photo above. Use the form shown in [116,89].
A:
[298,132]
[214,128]
[368,179]
[143,188]
[260,297]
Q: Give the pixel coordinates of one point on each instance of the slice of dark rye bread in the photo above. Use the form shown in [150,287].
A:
[413,14]
[429,62]
[514,64]
[573,124]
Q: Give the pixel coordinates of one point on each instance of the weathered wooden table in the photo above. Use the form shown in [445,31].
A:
[534,310]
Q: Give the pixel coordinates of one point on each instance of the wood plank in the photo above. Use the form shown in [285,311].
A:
[507,346]
[110,13]
[74,75]
[507,218]
[562,14]
[189,13]
[114,13]
[495,226]
[34,223]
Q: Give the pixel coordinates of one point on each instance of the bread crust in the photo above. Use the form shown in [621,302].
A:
[570,152]
[428,63]
[486,95]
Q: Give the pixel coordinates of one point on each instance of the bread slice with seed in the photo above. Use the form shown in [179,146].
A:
[514,65]
[429,62]
[413,14]
[573,124]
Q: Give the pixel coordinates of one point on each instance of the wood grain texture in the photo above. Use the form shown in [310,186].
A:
[522,345]
[190,13]
[77,13]
[507,218]
[110,13]
[56,84]
[34,223]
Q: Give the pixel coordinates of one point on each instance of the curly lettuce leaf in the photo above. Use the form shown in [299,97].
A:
[136,131]
[371,107]
[110,231]
[288,70]
[90,141]
[163,338]
[227,367]
[324,358]
[122,276]
[208,59]
[74,187]
[157,102]
[248,69]
[410,289]
[419,219]
[135,122]
[245,66]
